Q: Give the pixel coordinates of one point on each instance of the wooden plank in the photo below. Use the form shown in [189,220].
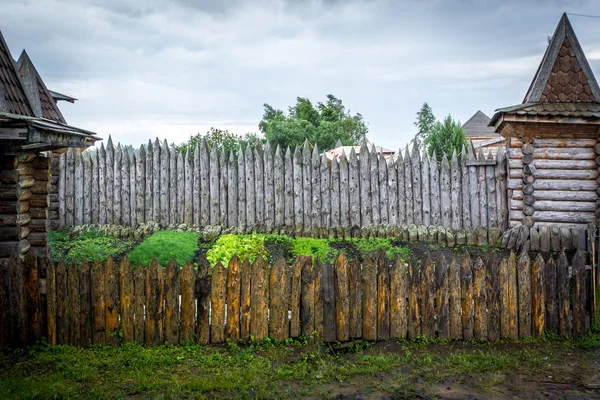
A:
[306,185]
[550,205]
[125,190]
[62,168]
[580,320]
[434,190]
[455,293]
[232,192]
[127,294]
[551,294]
[319,300]
[33,311]
[564,293]
[188,302]
[501,188]
[214,187]
[117,189]
[480,319]
[278,310]
[399,281]
[204,173]
[556,174]
[259,300]
[149,181]
[560,143]
[307,298]
[111,303]
[62,314]
[98,303]
[172,293]
[95,188]
[140,185]
[538,296]
[517,164]
[217,303]
[483,201]
[326,191]
[428,298]
[524,287]
[154,333]
[446,193]
[196,185]
[288,184]
[139,303]
[175,180]
[374,194]
[455,195]
[392,183]
[573,217]
[355,299]
[555,184]
[223,189]
[342,299]
[234,292]
[70,186]
[250,190]
[383,297]
[241,189]
[17,302]
[408,189]
[474,188]
[467,289]
[442,298]
[416,186]
[203,294]
[555,153]
[156,181]
[366,211]
[295,297]
[504,298]
[353,190]
[279,173]
[317,211]
[329,310]
[426,189]
[414,307]
[87,188]
[493,297]
[369,298]
[188,172]
[259,187]
[339,196]
[466,195]
[50,304]
[245,282]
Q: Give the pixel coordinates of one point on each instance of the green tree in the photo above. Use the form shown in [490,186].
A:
[322,125]
[223,139]
[445,137]
[424,123]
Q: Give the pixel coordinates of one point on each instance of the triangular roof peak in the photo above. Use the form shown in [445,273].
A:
[564,74]
[40,98]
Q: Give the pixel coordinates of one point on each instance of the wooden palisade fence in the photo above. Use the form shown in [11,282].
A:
[266,189]
[457,298]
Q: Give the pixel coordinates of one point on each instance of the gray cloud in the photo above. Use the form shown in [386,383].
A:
[174,68]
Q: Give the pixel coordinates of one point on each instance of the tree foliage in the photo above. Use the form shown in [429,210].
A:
[223,139]
[424,123]
[445,137]
[323,124]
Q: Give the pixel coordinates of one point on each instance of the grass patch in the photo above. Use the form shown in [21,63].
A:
[166,245]
[91,245]
[245,246]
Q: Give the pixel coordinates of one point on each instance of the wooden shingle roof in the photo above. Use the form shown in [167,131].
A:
[12,94]
[477,126]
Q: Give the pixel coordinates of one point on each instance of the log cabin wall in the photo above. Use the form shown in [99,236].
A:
[552,181]
[24,186]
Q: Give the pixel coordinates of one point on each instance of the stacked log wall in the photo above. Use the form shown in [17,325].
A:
[556,184]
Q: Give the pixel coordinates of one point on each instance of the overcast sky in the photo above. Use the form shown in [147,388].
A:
[163,68]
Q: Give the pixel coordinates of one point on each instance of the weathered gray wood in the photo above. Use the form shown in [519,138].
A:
[545,205]
[552,153]
[95,190]
[374,194]
[559,195]
[79,186]
[132,189]
[517,164]
[70,188]
[178,199]
[383,191]
[242,221]
[269,188]
[501,188]
[250,195]
[578,217]
[315,184]
[481,178]
[279,173]
[325,191]
[62,180]
[426,187]
[408,189]
[560,143]
[490,176]
[125,189]
[232,191]
[524,287]
[173,185]
[416,187]
[392,183]
[196,196]
[149,189]
[259,186]
[188,208]
[214,183]
[204,172]
[165,183]
[87,189]
[353,190]
[339,192]
[474,188]
[298,212]
[465,190]
[156,198]
[557,174]
[456,192]
[223,188]
[555,184]
[400,181]
[366,211]
[306,185]
[434,192]
[141,184]
[288,183]
[445,193]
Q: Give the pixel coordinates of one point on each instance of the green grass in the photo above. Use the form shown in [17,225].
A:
[165,245]
[91,245]
[305,246]
[259,371]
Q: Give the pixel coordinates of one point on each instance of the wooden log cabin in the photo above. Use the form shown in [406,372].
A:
[553,136]
[31,127]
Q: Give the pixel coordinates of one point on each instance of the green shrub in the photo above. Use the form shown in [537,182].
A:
[165,245]
[91,245]
[305,246]
[245,246]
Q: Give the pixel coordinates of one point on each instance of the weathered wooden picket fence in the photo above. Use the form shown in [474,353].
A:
[456,298]
[265,190]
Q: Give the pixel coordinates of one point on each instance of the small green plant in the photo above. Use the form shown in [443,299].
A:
[306,246]
[165,245]
[245,246]
[91,245]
